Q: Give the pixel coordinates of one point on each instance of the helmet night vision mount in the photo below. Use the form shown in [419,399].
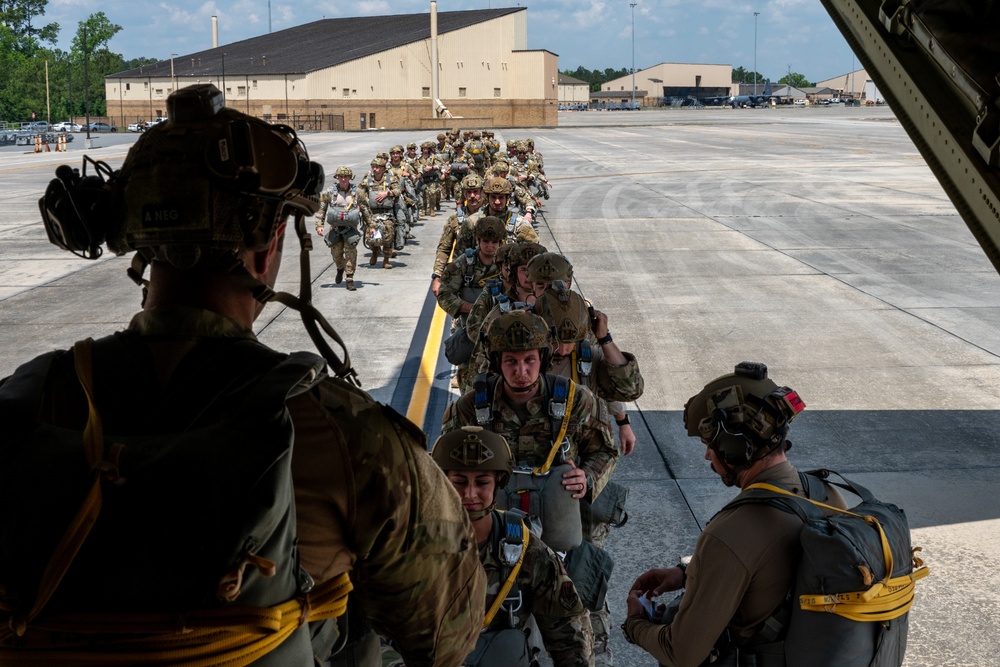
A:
[196,191]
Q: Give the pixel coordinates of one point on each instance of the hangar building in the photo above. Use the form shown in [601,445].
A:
[671,81]
[365,72]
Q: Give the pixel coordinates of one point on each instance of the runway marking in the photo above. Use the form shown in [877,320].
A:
[416,412]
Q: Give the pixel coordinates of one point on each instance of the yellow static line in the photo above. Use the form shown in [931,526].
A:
[417,409]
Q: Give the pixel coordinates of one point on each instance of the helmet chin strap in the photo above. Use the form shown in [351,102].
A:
[474,515]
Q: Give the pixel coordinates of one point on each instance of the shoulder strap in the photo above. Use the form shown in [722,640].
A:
[515,540]
[483,399]
[561,399]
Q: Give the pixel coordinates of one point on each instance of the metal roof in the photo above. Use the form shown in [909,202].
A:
[315,46]
[567,80]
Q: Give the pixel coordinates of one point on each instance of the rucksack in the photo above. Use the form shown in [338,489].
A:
[854,584]
[194,527]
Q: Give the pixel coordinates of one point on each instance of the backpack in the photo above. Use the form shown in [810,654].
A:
[854,584]
[194,518]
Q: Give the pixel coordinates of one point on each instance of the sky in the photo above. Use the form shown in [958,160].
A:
[791,35]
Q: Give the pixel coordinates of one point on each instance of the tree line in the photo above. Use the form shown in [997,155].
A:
[26,49]
[596,77]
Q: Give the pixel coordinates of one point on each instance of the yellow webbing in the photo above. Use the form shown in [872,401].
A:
[498,602]
[884,600]
[544,468]
[230,637]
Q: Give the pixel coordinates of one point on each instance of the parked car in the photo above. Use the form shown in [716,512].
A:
[101,127]
[53,137]
[138,127]
[66,126]
[36,126]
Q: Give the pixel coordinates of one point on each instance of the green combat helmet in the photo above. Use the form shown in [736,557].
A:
[565,312]
[549,267]
[501,167]
[410,145]
[398,148]
[518,331]
[498,186]
[471,448]
[472,182]
[491,228]
[378,162]
[743,415]
[344,171]
[523,253]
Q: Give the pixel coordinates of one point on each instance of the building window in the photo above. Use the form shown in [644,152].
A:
[496,92]
[282,116]
[425,91]
[229,90]
[461,92]
[241,91]
[145,86]
[159,91]
[254,85]
[347,92]
[128,86]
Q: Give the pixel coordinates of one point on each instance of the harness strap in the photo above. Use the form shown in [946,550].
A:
[502,595]
[544,468]
[230,636]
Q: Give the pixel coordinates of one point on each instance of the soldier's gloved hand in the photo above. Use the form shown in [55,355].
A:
[575,481]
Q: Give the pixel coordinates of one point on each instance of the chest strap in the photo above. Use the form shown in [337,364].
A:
[560,406]
[515,541]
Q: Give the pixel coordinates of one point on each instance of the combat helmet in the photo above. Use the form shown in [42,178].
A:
[523,252]
[743,415]
[503,254]
[344,171]
[458,143]
[498,186]
[491,228]
[442,137]
[382,155]
[501,166]
[398,148]
[377,162]
[412,145]
[548,267]
[429,145]
[472,182]
[518,331]
[565,312]
[229,183]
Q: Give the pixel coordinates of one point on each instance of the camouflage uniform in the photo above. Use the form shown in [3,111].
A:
[479,156]
[391,217]
[530,434]
[342,239]
[519,230]
[459,166]
[521,195]
[454,292]
[549,595]
[404,175]
[368,500]
[429,167]
[458,235]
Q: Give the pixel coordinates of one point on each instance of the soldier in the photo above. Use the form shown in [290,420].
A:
[518,564]
[478,154]
[458,233]
[459,166]
[528,172]
[378,199]
[519,227]
[464,279]
[412,157]
[560,446]
[525,202]
[235,472]
[400,170]
[613,376]
[337,222]
[492,145]
[429,168]
[490,306]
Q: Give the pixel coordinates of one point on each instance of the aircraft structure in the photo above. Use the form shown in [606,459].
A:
[742,101]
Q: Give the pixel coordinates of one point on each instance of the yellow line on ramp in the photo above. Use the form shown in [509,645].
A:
[417,410]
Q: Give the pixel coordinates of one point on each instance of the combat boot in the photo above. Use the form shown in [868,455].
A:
[374,258]
[340,276]
[386,264]
[350,284]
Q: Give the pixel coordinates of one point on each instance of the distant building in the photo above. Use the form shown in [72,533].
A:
[674,81]
[365,72]
[572,90]
[847,86]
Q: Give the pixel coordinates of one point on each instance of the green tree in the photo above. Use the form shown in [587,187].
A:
[742,75]
[90,44]
[795,80]
[17,16]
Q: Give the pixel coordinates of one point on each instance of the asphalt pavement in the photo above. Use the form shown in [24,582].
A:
[815,240]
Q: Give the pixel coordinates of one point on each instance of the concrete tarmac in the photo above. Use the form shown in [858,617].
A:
[815,240]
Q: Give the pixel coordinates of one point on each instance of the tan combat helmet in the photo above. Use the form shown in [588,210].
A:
[412,145]
[523,252]
[498,186]
[344,171]
[549,267]
[398,148]
[472,182]
[503,254]
[501,167]
[518,331]
[565,312]
[744,415]
[491,228]
[377,162]
[472,448]
[441,137]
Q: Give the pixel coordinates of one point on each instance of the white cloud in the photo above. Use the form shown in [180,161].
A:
[591,16]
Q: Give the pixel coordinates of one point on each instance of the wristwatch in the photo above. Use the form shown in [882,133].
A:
[623,421]
[605,340]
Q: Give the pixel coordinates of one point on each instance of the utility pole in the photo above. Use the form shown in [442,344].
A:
[86,82]
[632,5]
[173,79]
[755,15]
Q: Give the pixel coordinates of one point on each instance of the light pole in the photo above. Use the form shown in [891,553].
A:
[755,15]
[632,5]
[173,79]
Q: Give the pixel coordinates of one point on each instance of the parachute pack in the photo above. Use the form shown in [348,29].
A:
[854,585]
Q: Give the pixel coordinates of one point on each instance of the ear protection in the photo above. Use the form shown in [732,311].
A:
[75,209]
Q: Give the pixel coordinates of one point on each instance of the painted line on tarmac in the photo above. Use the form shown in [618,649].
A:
[419,399]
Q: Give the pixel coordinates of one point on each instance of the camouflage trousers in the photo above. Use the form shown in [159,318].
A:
[432,197]
[600,621]
[345,251]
